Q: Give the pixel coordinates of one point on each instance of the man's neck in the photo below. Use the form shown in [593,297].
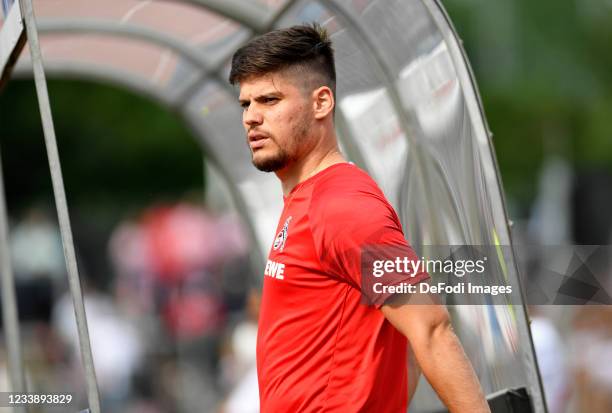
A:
[315,162]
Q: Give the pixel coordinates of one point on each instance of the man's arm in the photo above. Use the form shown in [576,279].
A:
[414,373]
[438,351]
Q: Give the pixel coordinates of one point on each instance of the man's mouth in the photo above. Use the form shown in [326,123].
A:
[257,140]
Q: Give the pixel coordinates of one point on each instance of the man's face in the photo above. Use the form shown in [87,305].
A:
[277,115]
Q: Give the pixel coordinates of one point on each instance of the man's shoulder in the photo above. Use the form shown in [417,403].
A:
[348,190]
[349,209]
[344,180]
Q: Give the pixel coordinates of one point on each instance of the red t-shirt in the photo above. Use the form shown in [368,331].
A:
[319,347]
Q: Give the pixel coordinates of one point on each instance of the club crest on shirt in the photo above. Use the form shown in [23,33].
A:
[281,238]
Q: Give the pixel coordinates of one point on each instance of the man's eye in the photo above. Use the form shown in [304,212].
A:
[270,100]
[244,105]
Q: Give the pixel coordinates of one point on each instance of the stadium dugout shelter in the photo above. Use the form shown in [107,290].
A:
[408,113]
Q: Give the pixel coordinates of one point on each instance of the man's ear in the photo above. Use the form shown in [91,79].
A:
[322,102]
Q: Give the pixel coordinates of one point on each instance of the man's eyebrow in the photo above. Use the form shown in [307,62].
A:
[267,95]
[271,94]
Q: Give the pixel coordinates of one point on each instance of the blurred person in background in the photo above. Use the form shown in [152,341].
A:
[37,260]
[38,263]
[117,346]
[239,363]
[591,346]
[552,358]
[173,262]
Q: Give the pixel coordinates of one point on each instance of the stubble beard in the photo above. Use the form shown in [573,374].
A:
[287,154]
[272,163]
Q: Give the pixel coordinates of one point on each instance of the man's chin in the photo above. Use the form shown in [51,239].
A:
[269,164]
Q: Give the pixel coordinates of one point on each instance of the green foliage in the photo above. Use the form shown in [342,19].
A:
[544,70]
[118,151]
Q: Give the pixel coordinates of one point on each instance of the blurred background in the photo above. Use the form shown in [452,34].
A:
[173,322]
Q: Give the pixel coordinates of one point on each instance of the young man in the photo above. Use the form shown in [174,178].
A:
[320,348]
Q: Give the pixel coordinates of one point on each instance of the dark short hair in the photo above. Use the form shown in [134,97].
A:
[305,47]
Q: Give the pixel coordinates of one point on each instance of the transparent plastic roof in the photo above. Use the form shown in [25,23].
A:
[408,113]
[157,65]
[191,24]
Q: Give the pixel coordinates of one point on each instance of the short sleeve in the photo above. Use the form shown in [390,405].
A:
[354,228]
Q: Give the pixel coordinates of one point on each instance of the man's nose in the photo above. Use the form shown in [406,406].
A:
[252,116]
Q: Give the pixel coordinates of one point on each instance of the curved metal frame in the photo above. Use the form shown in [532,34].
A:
[61,203]
[191,54]
[76,70]
[477,115]
[245,13]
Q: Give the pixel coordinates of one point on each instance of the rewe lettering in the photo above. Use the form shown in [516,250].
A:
[275,270]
